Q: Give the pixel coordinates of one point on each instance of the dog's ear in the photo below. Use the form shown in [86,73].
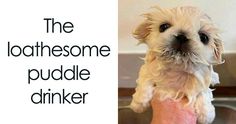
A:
[142,31]
[218,50]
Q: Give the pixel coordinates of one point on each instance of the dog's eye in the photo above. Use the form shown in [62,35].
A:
[204,38]
[164,26]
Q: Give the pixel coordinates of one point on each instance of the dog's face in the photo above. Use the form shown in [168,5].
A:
[181,36]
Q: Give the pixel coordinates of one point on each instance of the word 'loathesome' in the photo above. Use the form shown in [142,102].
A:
[40,50]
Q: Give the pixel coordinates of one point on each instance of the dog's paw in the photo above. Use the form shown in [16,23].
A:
[206,117]
[204,108]
[137,107]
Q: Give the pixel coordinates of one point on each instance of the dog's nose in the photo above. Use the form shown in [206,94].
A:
[180,43]
[181,38]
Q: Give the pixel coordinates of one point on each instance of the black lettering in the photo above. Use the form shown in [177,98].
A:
[84,74]
[69,26]
[47,27]
[39,101]
[78,49]
[65,96]
[30,76]
[104,49]
[58,49]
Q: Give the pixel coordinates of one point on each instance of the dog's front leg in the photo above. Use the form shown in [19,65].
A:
[143,92]
[204,108]
[142,97]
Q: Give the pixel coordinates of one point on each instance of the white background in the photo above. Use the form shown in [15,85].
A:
[95,22]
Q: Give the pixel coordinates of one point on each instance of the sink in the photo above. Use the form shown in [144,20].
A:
[129,65]
[225,114]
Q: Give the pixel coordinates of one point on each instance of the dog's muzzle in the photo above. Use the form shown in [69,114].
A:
[180,43]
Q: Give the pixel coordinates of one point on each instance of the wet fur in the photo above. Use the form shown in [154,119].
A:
[174,75]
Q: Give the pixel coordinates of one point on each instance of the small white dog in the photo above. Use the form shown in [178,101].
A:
[183,45]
